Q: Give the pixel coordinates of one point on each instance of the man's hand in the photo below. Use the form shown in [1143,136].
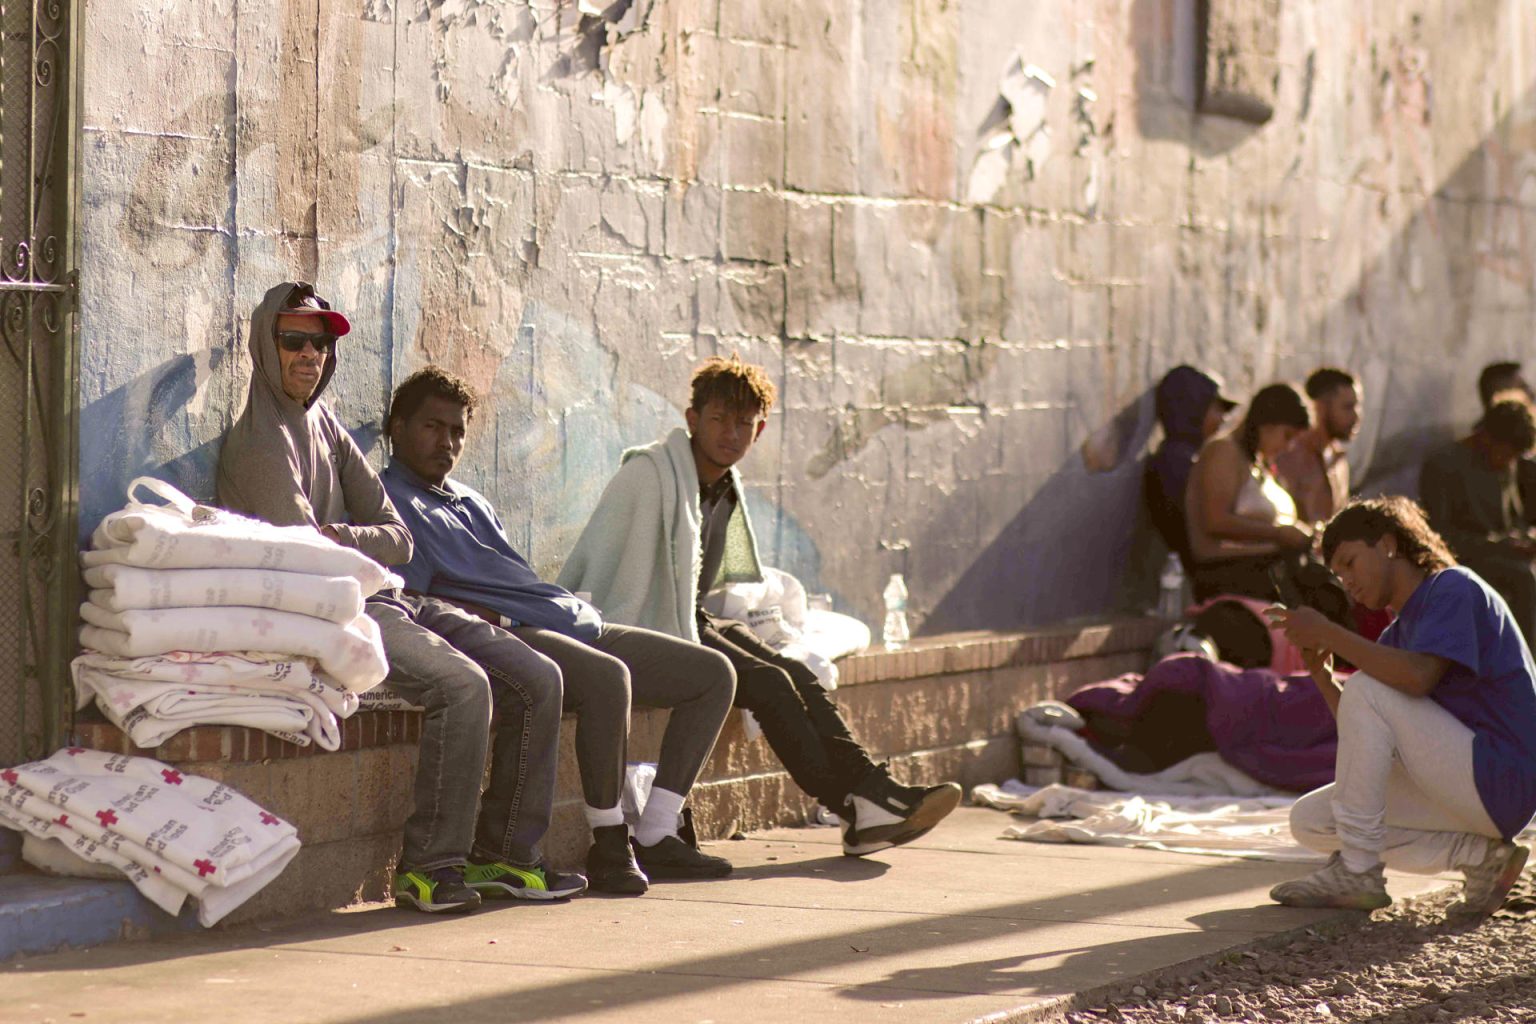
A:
[1319,663]
[1308,629]
[1294,536]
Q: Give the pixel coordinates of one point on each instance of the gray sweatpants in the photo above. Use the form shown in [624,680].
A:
[1404,792]
[627,664]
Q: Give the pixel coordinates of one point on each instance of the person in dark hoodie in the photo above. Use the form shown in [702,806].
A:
[288,460]
[1191,409]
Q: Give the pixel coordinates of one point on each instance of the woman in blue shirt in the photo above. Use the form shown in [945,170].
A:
[1436,767]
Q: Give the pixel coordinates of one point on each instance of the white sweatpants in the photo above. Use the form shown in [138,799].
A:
[1404,792]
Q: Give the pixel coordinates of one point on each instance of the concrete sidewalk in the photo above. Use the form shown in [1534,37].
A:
[958,926]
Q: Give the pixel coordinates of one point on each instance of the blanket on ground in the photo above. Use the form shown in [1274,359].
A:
[1204,774]
[152,699]
[1275,728]
[172,835]
[1221,826]
[351,654]
[120,588]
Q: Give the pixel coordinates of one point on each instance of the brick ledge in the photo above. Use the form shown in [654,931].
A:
[926,656]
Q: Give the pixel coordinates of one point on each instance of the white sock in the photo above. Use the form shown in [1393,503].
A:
[867,814]
[601,817]
[659,819]
[1358,861]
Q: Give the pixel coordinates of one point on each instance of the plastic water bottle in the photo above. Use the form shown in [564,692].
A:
[896,633]
[1170,589]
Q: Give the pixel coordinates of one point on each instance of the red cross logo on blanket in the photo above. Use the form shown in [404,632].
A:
[204,868]
[106,818]
[263,626]
[62,819]
[268,819]
[10,777]
[72,751]
[171,776]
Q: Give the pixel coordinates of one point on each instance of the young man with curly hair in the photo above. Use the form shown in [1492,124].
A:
[671,526]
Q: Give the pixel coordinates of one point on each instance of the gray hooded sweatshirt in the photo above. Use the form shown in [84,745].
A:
[294,464]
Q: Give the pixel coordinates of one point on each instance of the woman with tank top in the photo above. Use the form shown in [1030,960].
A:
[1242,524]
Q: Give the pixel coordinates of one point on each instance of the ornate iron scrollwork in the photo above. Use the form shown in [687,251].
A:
[37,457]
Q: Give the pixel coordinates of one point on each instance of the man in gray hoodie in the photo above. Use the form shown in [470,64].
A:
[288,460]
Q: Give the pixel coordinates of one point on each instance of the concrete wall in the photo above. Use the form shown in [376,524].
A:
[965,235]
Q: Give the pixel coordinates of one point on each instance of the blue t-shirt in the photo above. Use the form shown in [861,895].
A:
[462,554]
[1490,684]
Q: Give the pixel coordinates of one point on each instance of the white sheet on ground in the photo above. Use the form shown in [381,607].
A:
[1201,775]
[172,835]
[1224,826]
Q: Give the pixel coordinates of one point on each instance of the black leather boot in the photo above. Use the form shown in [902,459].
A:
[611,866]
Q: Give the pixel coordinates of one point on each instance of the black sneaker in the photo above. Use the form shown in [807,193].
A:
[880,814]
[672,858]
[611,864]
[439,891]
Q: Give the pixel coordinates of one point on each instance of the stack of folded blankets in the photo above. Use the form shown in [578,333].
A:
[172,835]
[197,616]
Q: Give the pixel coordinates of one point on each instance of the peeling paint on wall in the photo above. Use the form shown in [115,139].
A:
[965,237]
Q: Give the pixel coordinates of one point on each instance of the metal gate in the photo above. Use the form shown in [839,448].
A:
[38,374]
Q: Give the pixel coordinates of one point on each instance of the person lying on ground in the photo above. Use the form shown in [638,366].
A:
[1191,409]
[1243,525]
[1478,499]
[1437,730]
[1314,469]
[463,556]
[671,526]
[289,461]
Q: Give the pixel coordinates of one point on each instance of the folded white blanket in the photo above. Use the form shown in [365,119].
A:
[152,699]
[173,835]
[120,588]
[159,538]
[351,654]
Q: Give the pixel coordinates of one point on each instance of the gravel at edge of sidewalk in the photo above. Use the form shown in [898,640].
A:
[1405,965]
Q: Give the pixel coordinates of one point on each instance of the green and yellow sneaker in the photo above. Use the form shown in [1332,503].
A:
[498,880]
[439,891]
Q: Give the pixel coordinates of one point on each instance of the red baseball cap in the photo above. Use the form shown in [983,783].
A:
[303,301]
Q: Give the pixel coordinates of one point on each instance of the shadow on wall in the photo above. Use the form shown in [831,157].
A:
[135,428]
[1450,289]
[1076,536]
[131,431]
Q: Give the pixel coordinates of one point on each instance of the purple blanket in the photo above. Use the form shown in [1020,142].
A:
[1276,728]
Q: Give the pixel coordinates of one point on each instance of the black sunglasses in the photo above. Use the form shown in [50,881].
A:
[294,341]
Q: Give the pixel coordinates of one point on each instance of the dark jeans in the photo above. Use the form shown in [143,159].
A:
[655,670]
[459,668]
[799,720]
